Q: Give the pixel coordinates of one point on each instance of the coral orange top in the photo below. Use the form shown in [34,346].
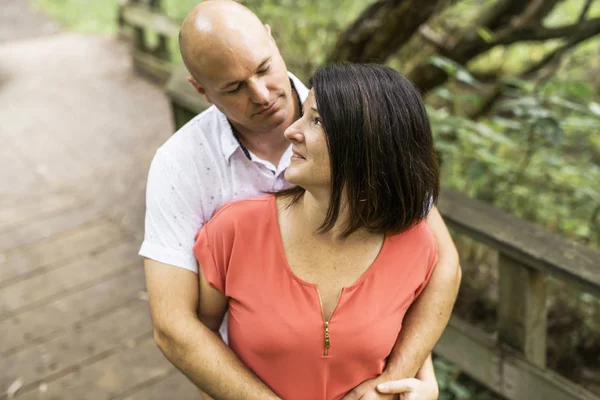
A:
[275,323]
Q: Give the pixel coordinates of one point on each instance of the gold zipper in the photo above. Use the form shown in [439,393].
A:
[327,340]
[327,343]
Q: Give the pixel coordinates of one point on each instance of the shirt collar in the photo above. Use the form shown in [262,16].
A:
[229,143]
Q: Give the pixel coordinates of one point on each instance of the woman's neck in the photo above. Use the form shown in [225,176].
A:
[312,210]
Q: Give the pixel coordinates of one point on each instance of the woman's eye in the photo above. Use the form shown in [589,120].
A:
[317,121]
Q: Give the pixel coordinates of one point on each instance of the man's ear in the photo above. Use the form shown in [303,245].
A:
[268,28]
[199,88]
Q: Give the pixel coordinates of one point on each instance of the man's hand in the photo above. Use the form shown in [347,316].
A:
[410,389]
[368,391]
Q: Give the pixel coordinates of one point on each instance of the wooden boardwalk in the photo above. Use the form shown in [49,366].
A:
[78,129]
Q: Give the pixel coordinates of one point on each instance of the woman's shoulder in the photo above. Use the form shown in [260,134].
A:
[243,213]
[420,236]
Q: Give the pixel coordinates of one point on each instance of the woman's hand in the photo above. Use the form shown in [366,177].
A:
[410,389]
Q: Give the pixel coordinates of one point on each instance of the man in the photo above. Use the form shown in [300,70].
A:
[234,150]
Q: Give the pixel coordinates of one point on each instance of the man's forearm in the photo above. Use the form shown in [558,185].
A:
[209,363]
[428,316]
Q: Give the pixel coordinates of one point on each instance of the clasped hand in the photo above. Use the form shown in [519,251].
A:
[405,389]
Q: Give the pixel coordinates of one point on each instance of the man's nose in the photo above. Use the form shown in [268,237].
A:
[259,94]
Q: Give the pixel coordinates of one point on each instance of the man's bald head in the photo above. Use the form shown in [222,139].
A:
[214,32]
[236,65]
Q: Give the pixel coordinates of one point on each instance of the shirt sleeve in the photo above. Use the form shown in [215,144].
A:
[213,272]
[214,246]
[173,214]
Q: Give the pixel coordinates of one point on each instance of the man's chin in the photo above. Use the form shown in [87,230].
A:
[275,121]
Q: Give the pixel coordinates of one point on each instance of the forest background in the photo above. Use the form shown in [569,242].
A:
[513,93]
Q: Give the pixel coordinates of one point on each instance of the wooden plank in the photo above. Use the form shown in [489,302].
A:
[143,17]
[75,348]
[474,351]
[532,245]
[183,94]
[174,386]
[44,255]
[71,277]
[152,67]
[38,230]
[26,211]
[48,320]
[523,381]
[501,369]
[135,365]
[522,314]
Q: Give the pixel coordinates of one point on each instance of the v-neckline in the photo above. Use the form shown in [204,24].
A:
[286,264]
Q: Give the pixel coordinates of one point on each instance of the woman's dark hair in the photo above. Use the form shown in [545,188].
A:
[380,148]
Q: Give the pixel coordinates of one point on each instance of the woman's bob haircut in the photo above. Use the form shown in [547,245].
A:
[380,149]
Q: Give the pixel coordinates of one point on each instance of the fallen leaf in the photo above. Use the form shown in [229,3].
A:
[14,388]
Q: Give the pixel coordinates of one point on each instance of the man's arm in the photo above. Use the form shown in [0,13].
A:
[423,386]
[428,316]
[424,321]
[190,345]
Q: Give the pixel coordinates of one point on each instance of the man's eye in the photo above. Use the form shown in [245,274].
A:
[237,89]
[264,70]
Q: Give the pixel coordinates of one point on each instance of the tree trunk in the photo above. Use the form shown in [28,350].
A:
[382,29]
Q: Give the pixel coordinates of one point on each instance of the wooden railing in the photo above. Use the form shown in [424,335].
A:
[140,18]
[511,362]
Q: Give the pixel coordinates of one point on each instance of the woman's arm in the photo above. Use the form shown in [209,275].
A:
[189,344]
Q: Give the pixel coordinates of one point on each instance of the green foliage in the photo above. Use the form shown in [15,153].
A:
[537,156]
[306,27]
[87,16]
[534,158]
[305,30]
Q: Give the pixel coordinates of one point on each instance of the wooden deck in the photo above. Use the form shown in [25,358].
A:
[77,130]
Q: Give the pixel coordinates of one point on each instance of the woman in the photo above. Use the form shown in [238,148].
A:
[310,275]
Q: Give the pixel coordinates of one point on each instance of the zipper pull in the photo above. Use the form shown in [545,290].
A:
[327,341]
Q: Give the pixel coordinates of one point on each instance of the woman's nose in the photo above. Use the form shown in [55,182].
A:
[293,133]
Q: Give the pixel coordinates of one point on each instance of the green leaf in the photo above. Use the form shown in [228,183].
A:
[460,391]
[485,34]
[444,93]
[550,130]
[594,108]
[444,64]
[464,76]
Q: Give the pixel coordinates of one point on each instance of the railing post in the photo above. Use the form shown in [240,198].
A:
[162,49]
[522,313]
[139,40]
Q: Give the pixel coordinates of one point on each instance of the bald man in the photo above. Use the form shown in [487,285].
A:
[234,150]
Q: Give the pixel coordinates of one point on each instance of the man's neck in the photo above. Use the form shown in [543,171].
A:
[271,145]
